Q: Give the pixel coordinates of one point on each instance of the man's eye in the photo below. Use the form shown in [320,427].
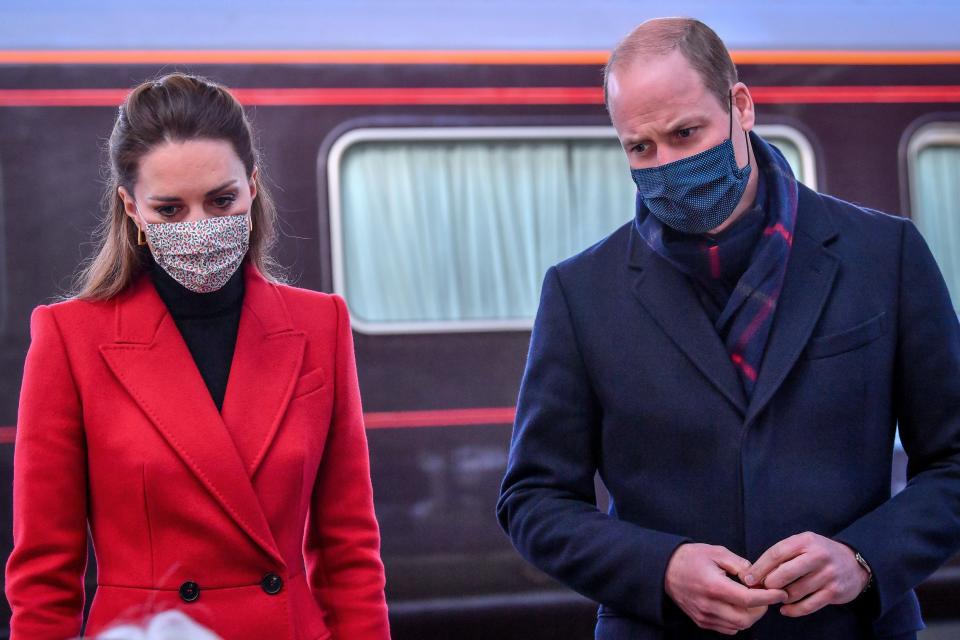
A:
[638,148]
[685,133]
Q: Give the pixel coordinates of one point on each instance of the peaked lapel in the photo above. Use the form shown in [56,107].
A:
[811,270]
[669,298]
[154,365]
[266,363]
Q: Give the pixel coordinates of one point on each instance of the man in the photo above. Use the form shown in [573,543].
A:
[733,362]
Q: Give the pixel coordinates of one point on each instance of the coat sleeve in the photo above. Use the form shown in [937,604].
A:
[908,537]
[547,500]
[342,544]
[44,578]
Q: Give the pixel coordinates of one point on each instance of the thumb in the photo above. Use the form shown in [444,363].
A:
[729,561]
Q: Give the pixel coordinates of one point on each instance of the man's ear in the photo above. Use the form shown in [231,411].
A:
[743,106]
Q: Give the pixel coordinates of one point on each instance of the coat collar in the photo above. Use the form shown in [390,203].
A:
[671,301]
[811,271]
[150,359]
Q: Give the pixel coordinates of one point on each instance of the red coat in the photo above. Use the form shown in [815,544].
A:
[117,429]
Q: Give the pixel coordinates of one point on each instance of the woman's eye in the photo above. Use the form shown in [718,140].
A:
[167,211]
[223,201]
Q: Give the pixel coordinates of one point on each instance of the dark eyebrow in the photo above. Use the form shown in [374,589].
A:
[220,188]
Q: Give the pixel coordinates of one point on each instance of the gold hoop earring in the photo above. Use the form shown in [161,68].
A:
[141,238]
[250,222]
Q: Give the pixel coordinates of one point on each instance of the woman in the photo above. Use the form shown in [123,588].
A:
[202,418]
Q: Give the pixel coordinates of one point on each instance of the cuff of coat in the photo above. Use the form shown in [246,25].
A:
[654,601]
[874,602]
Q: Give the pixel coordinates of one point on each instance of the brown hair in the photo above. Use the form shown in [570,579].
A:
[698,43]
[174,108]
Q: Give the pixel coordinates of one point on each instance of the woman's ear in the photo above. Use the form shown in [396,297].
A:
[129,204]
[253,184]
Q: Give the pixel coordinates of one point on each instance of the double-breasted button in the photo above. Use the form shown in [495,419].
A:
[272,583]
[189,591]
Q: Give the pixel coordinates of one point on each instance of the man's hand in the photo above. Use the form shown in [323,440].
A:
[813,570]
[697,580]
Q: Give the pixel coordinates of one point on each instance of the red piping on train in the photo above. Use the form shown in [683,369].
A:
[397,96]
[590,57]
[399,419]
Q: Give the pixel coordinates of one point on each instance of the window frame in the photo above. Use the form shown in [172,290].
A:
[930,134]
[342,144]
[808,159]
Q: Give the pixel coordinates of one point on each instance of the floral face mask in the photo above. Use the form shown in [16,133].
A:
[201,254]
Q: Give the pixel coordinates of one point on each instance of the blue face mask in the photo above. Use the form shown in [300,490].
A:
[696,194]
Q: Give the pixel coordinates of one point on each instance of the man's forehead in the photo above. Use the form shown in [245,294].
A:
[658,92]
[656,78]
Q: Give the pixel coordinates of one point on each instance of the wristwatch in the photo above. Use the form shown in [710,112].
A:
[866,567]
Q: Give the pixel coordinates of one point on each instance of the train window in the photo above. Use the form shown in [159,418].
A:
[933,165]
[452,229]
[795,148]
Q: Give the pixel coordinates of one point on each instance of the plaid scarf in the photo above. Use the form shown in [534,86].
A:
[740,270]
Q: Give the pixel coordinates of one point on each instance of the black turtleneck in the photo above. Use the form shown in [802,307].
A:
[208,323]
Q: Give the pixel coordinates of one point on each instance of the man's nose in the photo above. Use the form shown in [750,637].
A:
[666,155]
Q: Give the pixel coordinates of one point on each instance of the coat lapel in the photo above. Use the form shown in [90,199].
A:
[152,362]
[670,299]
[811,270]
[266,364]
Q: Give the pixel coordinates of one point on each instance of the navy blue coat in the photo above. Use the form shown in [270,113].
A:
[626,376]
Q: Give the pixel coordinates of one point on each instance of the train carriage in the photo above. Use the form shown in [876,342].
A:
[432,189]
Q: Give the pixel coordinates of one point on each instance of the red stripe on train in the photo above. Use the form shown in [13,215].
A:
[438,418]
[129,57]
[398,419]
[399,96]
[317,96]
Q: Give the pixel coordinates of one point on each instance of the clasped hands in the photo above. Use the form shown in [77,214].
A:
[723,592]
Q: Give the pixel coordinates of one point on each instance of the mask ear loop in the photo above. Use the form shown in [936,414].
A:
[746,136]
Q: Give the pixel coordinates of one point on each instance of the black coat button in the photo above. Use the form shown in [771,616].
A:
[189,591]
[272,583]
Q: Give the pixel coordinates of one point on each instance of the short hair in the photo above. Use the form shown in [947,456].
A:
[698,43]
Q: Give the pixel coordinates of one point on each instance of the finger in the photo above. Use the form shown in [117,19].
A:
[754,598]
[729,561]
[756,613]
[725,630]
[783,551]
[807,585]
[808,605]
[721,614]
[791,571]
[734,593]
[742,618]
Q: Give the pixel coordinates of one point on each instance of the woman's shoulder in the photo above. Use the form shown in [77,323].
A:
[72,321]
[79,311]
[308,307]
